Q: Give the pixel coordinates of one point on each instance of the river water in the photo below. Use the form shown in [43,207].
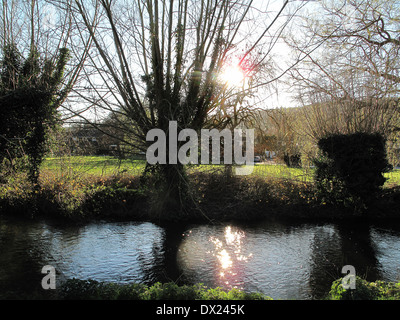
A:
[282,260]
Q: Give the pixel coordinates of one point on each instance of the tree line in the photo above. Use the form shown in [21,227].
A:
[145,63]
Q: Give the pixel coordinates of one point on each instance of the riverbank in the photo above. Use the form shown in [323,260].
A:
[215,197]
[75,289]
[89,289]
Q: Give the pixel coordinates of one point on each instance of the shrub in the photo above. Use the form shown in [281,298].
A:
[364,290]
[233,294]
[110,201]
[93,290]
[170,291]
[292,161]
[350,168]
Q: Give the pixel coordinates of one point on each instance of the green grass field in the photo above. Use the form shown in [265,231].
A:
[93,165]
[106,166]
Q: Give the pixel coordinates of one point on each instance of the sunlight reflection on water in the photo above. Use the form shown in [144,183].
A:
[237,257]
[229,253]
[284,261]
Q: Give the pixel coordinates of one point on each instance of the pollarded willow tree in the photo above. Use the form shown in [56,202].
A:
[159,61]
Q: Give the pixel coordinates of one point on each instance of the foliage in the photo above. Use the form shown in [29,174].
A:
[364,290]
[93,290]
[85,188]
[68,194]
[16,194]
[233,294]
[29,97]
[111,201]
[292,160]
[250,197]
[350,169]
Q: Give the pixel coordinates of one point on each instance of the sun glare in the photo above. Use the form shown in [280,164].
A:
[233,75]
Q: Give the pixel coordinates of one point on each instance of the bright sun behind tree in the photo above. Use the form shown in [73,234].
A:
[233,76]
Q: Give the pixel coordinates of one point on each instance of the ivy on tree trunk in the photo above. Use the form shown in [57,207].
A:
[29,97]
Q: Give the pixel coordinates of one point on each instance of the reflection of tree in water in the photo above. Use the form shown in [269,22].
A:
[164,266]
[25,247]
[350,244]
[21,261]
[359,250]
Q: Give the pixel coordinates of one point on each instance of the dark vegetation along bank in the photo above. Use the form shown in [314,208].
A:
[349,181]
[75,289]
[90,289]
[215,197]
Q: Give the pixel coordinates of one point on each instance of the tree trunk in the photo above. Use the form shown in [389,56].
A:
[175,196]
[170,188]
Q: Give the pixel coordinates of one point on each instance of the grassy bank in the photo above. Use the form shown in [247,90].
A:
[94,290]
[365,290]
[75,289]
[90,289]
[105,166]
[85,188]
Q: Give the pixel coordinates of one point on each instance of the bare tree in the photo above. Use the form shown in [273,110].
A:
[350,84]
[41,24]
[159,61]
[372,29]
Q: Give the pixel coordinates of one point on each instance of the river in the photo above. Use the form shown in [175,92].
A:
[282,260]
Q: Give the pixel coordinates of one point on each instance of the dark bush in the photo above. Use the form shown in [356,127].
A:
[117,202]
[292,161]
[350,168]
